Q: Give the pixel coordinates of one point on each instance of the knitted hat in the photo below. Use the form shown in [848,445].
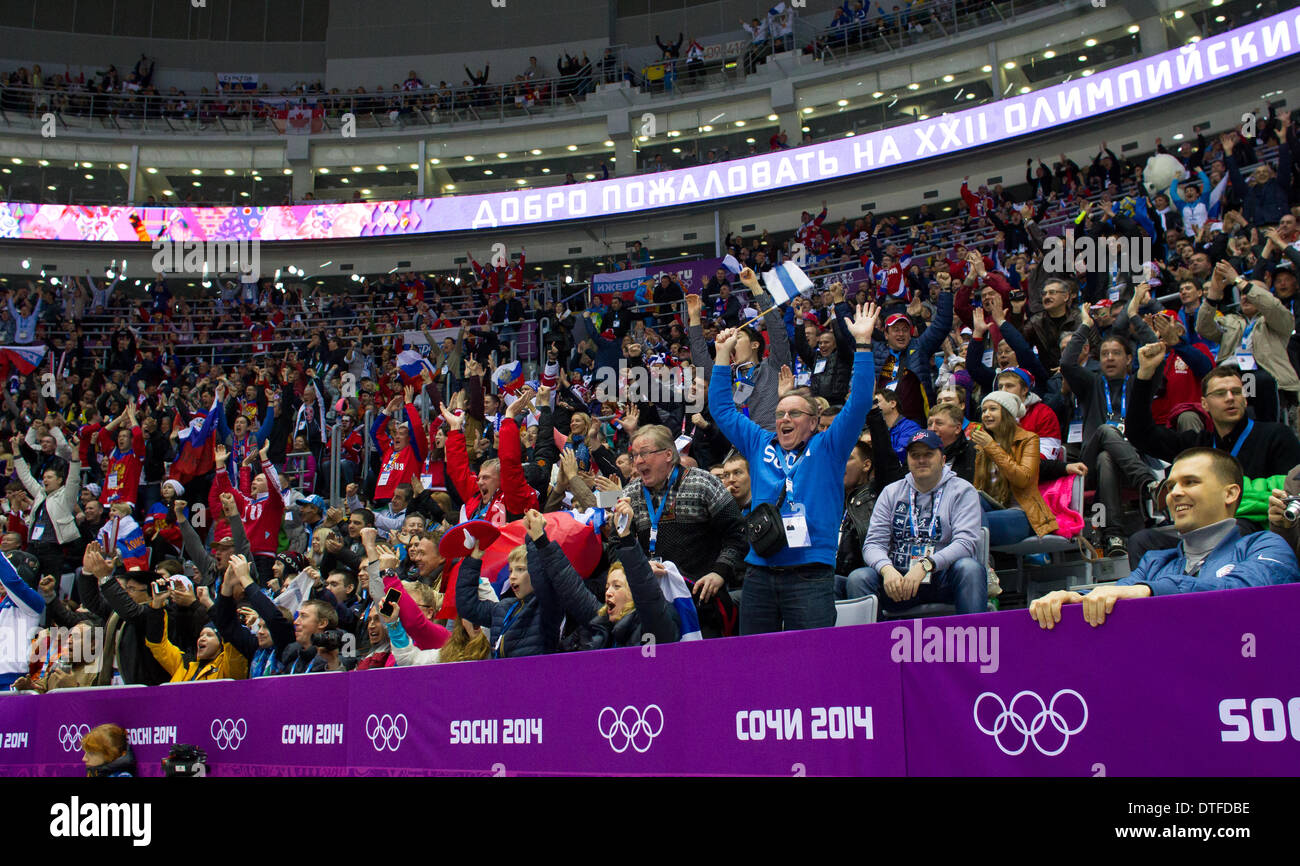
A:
[292,560]
[176,485]
[1010,403]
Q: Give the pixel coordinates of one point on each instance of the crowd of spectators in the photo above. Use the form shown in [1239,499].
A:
[245,507]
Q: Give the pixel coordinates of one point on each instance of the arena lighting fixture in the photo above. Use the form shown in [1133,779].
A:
[51,187]
[740,123]
[841,102]
[1085,73]
[804,129]
[381,168]
[1178,136]
[970,96]
[288,171]
[808,110]
[435,161]
[1082,58]
[356,278]
[194,183]
[90,176]
[342,179]
[1193,40]
[1133,28]
[151,170]
[168,192]
[1010,64]
[327,264]
[450,186]
[613,159]
[229,172]
[244,193]
[8,171]
[26,263]
[773,117]
[568,278]
[365,192]
[718,116]
[502,155]
[196,171]
[469,157]
[609,143]
[673,133]
[16,161]
[877,94]
[643,138]
[1219,19]
[589,177]
[913,86]
[1178,15]
[487,171]
[323,170]
[1024,90]
[706,128]
[572,147]
[986,68]
[536,151]
[44,162]
[1216,2]
[947,79]
[1049,54]
[747,141]
[679,150]
[546,171]
[521,181]
[1090,43]
[414,165]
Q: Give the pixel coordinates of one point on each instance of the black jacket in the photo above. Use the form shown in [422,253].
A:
[532,630]
[133,658]
[562,593]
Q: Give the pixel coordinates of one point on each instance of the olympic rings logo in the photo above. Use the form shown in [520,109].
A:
[70,736]
[228,733]
[1029,730]
[386,732]
[632,727]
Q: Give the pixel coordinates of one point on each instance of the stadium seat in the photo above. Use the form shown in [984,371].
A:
[1050,544]
[855,611]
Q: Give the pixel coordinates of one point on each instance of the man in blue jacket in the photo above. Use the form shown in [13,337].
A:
[800,471]
[1205,487]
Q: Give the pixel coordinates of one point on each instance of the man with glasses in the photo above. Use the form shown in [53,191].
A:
[686,516]
[801,473]
[1058,317]
[1263,448]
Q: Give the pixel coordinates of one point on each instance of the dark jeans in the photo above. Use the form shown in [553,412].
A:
[1117,463]
[792,598]
[965,584]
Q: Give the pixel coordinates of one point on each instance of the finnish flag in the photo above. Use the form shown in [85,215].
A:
[786,281]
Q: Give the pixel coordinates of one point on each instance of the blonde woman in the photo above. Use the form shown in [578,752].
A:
[1006,472]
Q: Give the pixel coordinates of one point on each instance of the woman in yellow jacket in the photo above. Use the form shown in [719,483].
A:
[214,659]
[1006,473]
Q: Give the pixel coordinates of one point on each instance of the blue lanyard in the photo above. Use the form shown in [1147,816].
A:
[654,512]
[1236,449]
[934,514]
[1243,346]
[481,510]
[898,366]
[1123,401]
[505,627]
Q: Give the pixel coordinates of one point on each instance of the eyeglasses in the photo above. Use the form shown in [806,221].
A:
[793,414]
[1226,392]
[637,455]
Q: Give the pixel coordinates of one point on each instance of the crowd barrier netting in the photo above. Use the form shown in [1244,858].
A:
[1200,685]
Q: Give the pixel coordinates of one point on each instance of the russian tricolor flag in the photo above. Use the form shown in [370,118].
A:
[509,377]
[411,364]
[24,358]
[673,586]
[123,535]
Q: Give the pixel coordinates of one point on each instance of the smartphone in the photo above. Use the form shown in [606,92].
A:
[391,599]
[160,586]
[607,498]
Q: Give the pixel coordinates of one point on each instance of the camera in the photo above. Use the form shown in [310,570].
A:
[330,640]
[1292,512]
[185,760]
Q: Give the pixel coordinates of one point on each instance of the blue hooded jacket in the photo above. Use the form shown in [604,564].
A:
[1258,559]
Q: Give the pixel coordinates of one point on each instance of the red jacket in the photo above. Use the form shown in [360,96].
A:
[514,497]
[122,481]
[263,516]
[397,467]
[1040,419]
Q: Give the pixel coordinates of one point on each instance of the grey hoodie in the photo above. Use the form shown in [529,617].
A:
[763,377]
[956,533]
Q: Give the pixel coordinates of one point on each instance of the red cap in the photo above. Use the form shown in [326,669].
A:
[897,317]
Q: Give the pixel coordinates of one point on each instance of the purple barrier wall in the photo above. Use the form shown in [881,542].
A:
[1198,685]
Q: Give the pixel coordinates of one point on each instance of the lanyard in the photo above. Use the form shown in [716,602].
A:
[1245,336]
[654,512]
[789,473]
[1250,425]
[1123,400]
[898,366]
[481,511]
[934,514]
[505,626]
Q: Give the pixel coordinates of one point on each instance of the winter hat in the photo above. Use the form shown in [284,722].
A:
[176,485]
[292,560]
[1010,403]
